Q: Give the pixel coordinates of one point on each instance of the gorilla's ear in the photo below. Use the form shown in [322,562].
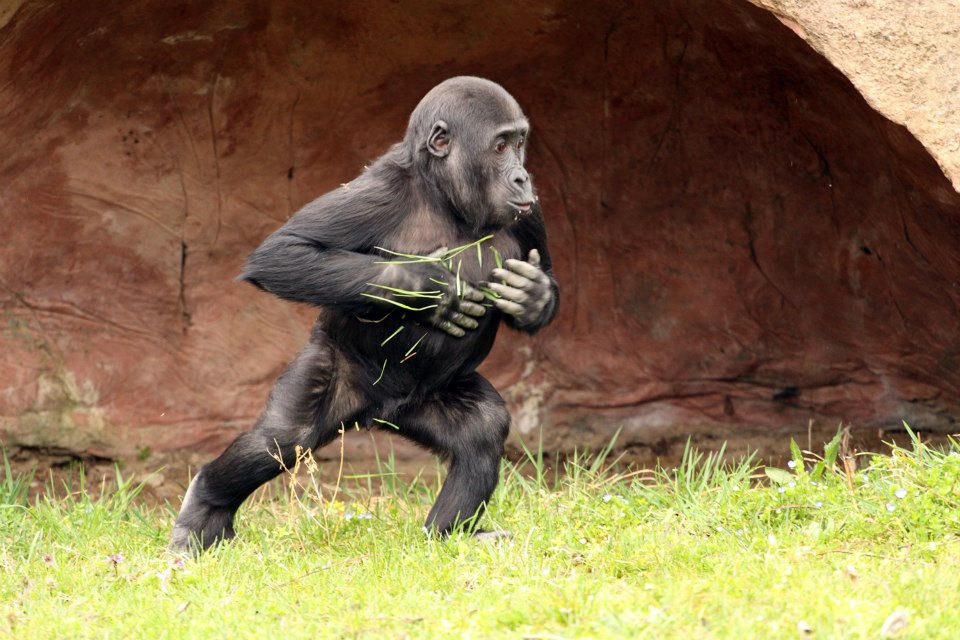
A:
[439,141]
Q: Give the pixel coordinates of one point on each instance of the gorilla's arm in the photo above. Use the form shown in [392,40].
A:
[529,294]
[321,255]
[291,267]
[326,255]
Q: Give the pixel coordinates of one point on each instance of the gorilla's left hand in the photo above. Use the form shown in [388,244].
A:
[526,292]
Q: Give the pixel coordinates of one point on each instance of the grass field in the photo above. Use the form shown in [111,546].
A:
[701,551]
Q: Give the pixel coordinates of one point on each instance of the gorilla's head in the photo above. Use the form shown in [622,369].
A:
[467,136]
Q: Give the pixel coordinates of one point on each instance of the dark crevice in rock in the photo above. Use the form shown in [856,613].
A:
[184,312]
[751,246]
[56,457]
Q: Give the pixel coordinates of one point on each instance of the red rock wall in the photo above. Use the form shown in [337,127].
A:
[743,244]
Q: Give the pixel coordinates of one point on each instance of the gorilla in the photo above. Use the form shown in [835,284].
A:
[414,264]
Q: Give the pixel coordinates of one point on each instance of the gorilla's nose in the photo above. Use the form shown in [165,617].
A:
[520,177]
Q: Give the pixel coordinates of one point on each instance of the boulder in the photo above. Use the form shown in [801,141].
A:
[744,244]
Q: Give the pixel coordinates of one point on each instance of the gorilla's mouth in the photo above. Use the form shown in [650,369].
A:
[523,206]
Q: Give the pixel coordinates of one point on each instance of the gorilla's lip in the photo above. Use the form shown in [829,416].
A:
[523,206]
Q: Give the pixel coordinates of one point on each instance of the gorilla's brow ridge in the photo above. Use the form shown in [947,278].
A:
[517,126]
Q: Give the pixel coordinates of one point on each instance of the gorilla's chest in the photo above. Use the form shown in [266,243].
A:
[472,256]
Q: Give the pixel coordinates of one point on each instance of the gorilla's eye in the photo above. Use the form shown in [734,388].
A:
[521,142]
[501,146]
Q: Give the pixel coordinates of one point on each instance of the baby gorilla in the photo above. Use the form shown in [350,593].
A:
[405,261]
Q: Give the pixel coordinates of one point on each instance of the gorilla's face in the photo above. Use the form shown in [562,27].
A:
[485,176]
[510,191]
[477,139]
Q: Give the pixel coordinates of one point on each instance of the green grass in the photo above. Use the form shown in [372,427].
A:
[706,550]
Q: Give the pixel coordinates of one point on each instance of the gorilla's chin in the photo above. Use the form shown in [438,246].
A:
[492,221]
[502,219]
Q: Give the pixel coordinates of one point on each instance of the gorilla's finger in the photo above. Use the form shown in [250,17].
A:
[511,294]
[463,321]
[472,308]
[506,306]
[448,327]
[472,294]
[534,258]
[515,280]
[498,288]
[523,268]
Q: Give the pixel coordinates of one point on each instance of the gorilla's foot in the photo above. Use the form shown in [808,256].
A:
[195,534]
[489,536]
[200,525]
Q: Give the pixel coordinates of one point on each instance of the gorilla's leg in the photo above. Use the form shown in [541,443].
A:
[467,423]
[305,408]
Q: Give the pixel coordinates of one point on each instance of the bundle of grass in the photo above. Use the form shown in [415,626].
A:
[416,301]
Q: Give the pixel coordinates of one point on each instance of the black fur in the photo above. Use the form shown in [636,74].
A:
[457,176]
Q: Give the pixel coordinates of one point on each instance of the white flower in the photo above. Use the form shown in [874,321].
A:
[792,464]
[891,507]
[901,493]
[607,497]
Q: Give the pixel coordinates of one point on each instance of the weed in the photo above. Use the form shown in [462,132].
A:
[708,548]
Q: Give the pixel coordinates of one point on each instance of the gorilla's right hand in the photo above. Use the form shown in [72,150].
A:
[454,313]
[439,303]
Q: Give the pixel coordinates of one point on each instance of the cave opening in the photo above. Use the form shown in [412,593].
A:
[744,244]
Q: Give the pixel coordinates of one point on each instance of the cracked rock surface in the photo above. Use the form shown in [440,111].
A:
[743,243]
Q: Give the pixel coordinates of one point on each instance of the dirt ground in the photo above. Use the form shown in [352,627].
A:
[166,474]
